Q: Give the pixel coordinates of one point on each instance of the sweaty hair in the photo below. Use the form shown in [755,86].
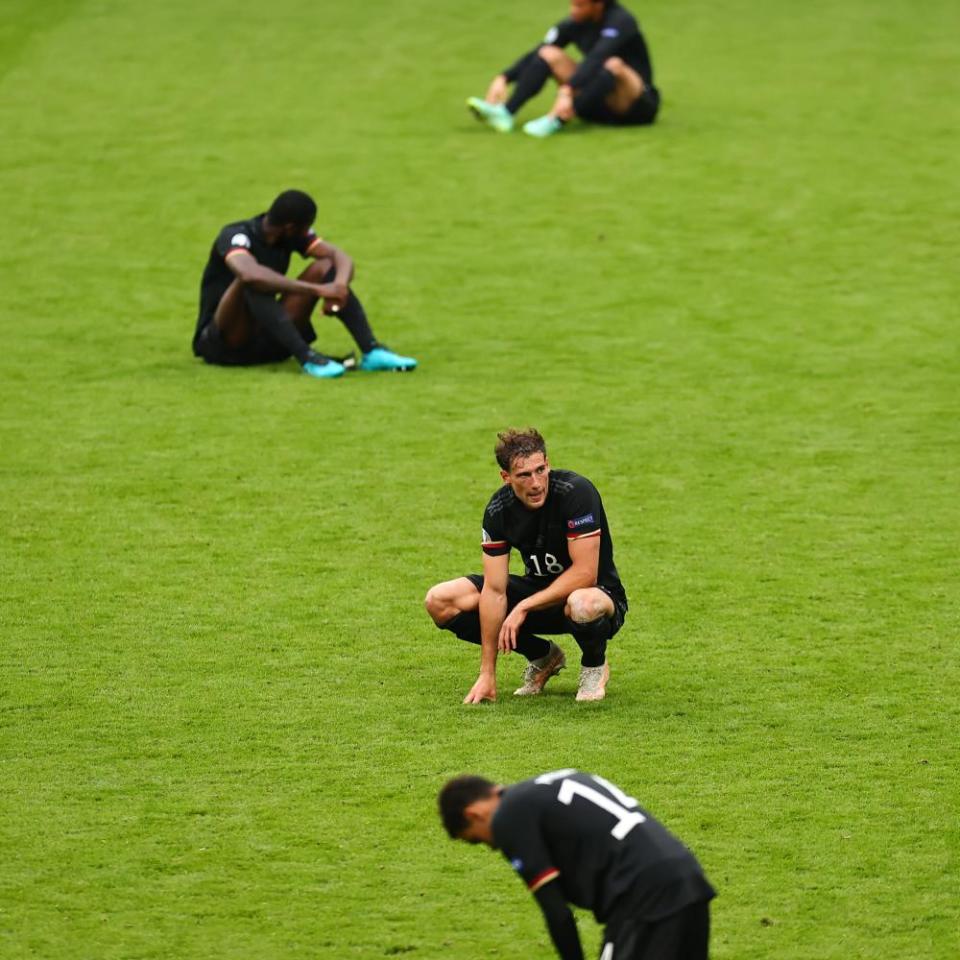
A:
[293,206]
[518,443]
[457,794]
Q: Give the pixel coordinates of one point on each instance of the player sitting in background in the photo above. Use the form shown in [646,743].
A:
[242,321]
[576,838]
[557,522]
[613,84]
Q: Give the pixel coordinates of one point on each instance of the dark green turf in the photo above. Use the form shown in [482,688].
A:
[223,712]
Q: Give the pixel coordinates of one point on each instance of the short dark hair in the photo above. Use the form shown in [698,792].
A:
[518,443]
[293,206]
[457,794]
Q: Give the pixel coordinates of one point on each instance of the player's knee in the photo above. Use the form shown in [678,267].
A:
[614,64]
[585,606]
[550,54]
[438,605]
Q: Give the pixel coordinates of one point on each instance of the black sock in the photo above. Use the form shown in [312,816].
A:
[354,318]
[465,625]
[530,82]
[592,98]
[272,318]
[592,639]
[532,647]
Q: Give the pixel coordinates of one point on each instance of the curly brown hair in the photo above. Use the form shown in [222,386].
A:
[518,443]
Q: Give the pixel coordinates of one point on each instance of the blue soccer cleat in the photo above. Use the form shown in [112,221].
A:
[494,115]
[323,368]
[380,358]
[543,127]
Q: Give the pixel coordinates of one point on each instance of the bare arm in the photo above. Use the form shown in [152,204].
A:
[250,273]
[582,572]
[493,610]
[560,922]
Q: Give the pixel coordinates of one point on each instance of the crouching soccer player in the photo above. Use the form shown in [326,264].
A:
[251,312]
[576,838]
[556,520]
[613,84]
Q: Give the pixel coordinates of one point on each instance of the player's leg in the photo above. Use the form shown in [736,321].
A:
[549,61]
[562,67]
[683,935]
[616,95]
[593,619]
[300,306]
[455,606]
[375,356]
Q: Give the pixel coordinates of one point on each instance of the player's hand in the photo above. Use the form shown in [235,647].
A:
[507,640]
[498,89]
[334,296]
[484,689]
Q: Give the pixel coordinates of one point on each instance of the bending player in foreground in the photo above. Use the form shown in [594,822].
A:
[555,519]
[243,322]
[613,84]
[576,838]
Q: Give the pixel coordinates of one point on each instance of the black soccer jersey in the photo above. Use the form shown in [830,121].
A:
[572,511]
[604,850]
[246,236]
[616,35]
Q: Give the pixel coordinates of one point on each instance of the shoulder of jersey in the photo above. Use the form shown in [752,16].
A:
[563,481]
[501,499]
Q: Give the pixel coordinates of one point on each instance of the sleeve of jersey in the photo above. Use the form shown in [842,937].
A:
[619,29]
[582,512]
[232,240]
[521,844]
[493,538]
[307,243]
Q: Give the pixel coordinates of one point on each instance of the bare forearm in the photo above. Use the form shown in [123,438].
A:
[343,266]
[269,281]
[558,590]
[493,611]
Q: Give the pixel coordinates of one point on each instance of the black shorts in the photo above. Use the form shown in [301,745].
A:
[551,620]
[681,936]
[261,348]
[642,111]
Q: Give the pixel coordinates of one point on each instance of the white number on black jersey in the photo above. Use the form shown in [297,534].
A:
[627,818]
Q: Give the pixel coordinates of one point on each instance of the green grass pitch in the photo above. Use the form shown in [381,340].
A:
[224,714]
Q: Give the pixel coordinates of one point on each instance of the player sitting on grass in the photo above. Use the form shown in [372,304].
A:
[555,519]
[243,322]
[576,838]
[613,84]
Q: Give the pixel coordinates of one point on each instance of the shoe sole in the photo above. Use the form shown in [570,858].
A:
[522,692]
[602,692]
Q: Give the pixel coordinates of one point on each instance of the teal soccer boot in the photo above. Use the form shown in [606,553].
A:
[380,358]
[543,127]
[494,115]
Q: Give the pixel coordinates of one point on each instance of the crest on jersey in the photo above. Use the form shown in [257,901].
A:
[240,240]
[552,35]
[609,32]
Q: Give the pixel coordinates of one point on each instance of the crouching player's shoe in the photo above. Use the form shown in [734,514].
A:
[321,367]
[380,358]
[543,127]
[538,672]
[494,115]
[593,682]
